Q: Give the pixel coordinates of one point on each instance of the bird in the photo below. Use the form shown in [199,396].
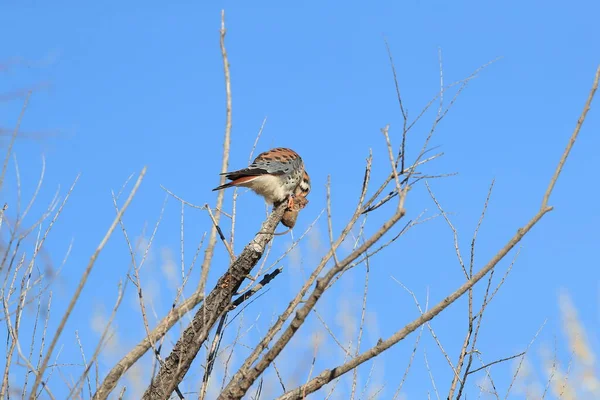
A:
[276,175]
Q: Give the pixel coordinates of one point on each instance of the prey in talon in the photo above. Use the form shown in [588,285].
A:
[275,175]
[291,214]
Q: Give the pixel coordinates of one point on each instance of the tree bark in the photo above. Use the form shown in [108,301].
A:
[216,304]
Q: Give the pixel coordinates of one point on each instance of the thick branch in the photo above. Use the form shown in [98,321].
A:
[215,304]
[112,378]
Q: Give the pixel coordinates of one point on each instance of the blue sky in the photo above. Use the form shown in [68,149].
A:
[141,83]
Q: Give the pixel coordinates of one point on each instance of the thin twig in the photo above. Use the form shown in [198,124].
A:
[431,378]
[362,321]
[431,331]
[495,362]
[411,359]
[402,153]
[567,151]
[85,364]
[14,137]
[518,369]
[82,283]
[208,253]
[329,219]
[221,235]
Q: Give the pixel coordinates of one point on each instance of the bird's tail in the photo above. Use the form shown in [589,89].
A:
[237,182]
[225,186]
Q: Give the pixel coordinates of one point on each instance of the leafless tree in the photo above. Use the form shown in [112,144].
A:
[25,283]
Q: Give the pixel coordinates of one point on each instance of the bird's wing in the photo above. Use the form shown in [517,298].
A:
[278,161]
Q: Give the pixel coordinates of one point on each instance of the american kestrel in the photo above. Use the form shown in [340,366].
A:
[276,175]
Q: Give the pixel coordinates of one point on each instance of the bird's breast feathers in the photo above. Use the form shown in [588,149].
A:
[269,186]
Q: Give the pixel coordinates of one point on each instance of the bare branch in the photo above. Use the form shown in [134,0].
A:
[578,126]
[82,283]
[212,240]
[385,132]
[13,138]
[362,323]
[221,235]
[402,153]
[518,369]
[495,362]
[410,360]
[431,331]
[431,378]
[214,306]
[454,231]
[329,219]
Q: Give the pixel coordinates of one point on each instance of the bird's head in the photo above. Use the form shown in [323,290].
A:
[303,188]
